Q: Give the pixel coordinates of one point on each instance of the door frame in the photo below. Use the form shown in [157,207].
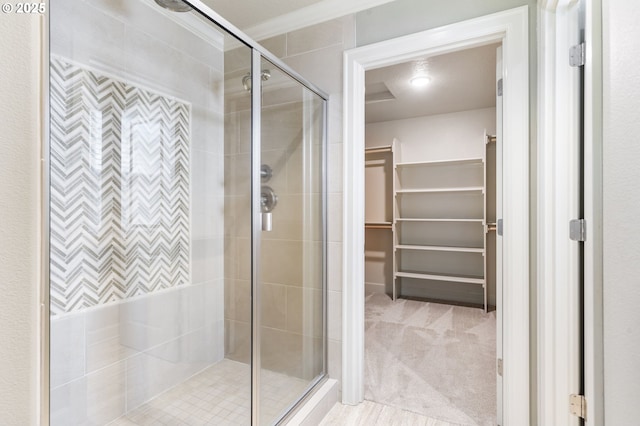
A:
[593,278]
[557,101]
[558,313]
[511,28]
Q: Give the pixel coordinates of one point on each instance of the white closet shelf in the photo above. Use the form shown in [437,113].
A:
[442,277]
[453,162]
[478,189]
[415,219]
[440,248]
[378,149]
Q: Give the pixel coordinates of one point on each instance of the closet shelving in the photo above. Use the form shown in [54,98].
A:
[410,219]
[431,198]
[442,277]
[379,162]
[387,151]
[428,190]
[440,248]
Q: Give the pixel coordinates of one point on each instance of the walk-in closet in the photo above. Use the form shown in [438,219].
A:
[431,196]
[430,208]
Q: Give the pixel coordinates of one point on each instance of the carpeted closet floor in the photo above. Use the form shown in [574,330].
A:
[432,359]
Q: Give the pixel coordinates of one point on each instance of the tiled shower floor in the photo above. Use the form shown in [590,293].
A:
[219,395]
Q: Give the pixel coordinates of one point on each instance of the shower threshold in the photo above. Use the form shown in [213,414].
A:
[219,395]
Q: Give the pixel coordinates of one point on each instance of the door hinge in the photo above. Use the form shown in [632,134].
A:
[499,226]
[578,405]
[577,55]
[578,230]
[500,87]
[499,367]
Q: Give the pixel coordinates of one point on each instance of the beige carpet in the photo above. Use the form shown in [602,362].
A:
[433,359]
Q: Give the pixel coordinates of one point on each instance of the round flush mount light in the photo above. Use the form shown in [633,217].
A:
[419,81]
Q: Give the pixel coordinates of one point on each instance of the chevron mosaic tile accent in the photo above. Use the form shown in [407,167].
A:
[120,192]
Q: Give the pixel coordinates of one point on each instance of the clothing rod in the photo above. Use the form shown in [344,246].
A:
[491,138]
[377,226]
[377,149]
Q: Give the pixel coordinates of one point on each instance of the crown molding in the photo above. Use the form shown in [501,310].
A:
[310,15]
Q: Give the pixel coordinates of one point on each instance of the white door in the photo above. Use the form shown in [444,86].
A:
[592,179]
[499,74]
[570,206]
[560,168]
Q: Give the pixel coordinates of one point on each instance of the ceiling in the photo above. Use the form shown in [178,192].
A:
[248,13]
[460,81]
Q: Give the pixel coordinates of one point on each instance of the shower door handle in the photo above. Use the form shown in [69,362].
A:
[268,201]
[267,223]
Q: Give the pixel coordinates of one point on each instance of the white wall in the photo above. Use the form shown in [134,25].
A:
[436,137]
[401,17]
[19,186]
[621,209]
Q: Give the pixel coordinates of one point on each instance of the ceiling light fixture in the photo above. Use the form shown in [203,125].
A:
[419,80]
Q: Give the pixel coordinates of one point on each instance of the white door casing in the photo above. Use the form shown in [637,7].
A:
[559,311]
[499,281]
[511,28]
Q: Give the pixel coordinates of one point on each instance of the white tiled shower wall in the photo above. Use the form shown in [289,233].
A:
[109,359]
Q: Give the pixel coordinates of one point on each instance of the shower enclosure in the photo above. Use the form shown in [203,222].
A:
[187,220]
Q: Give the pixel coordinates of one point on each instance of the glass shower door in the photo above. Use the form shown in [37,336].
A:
[187,221]
[150,261]
[290,287]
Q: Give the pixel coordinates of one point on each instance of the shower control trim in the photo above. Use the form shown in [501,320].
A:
[266,173]
[268,199]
